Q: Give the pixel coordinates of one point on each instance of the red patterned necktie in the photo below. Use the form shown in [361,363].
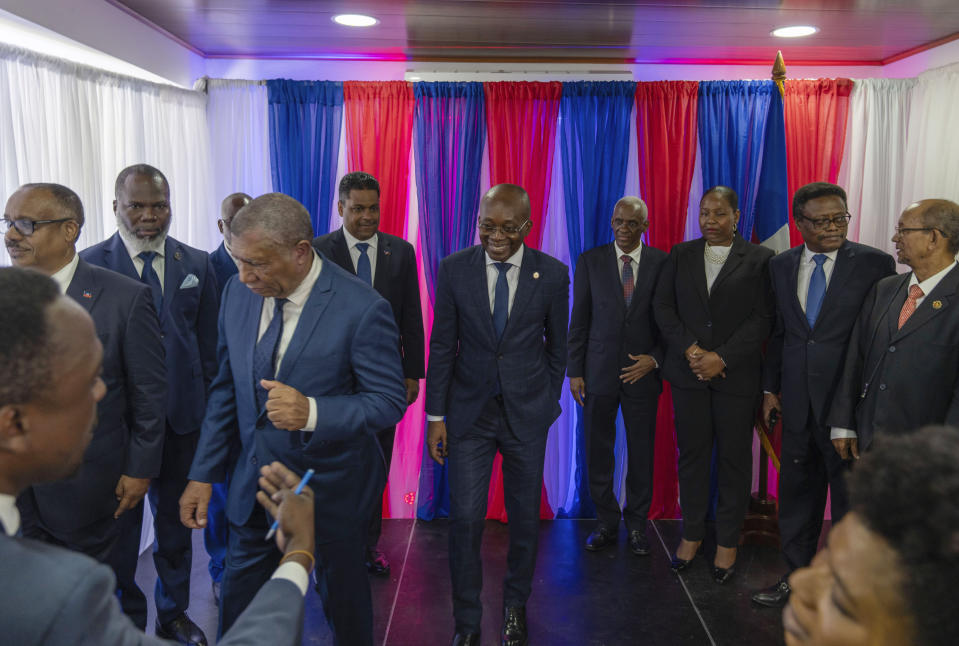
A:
[915,293]
[628,283]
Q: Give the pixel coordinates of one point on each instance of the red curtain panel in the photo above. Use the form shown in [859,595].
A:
[815,114]
[666,128]
[379,127]
[521,133]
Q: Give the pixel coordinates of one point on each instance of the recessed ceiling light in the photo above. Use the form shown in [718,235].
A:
[415,78]
[354,20]
[795,32]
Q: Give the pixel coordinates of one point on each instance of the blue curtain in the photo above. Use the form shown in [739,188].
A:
[772,196]
[594,147]
[449,129]
[305,122]
[732,133]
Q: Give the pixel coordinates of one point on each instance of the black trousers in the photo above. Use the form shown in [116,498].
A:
[639,417]
[470,463]
[810,467]
[385,438]
[115,543]
[702,417]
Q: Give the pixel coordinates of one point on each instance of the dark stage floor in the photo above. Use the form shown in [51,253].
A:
[579,598]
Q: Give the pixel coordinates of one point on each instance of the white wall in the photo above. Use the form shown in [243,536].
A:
[918,63]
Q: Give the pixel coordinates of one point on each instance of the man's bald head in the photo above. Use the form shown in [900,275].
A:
[280,217]
[229,207]
[942,215]
[511,195]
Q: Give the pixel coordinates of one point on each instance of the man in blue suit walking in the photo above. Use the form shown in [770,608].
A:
[183,287]
[496,367]
[309,371]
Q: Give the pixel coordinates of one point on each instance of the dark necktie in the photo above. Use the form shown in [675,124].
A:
[817,290]
[363,269]
[915,293]
[264,355]
[501,300]
[628,283]
[149,276]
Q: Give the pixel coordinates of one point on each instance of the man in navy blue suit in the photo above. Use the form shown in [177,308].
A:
[496,368]
[183,287]
[215,533]
[309,372]
[99,511]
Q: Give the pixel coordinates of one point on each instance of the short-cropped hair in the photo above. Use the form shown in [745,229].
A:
[65,197]
[279,216]
[357,181]
[812,191]
[943,215]
[137,169]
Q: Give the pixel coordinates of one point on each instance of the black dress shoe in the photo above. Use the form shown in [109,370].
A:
[638,543]
[601,538]
[181,629]
[774,596]
[466,639]
[514,627]
[678,565]
[376,562]
[723,574]
[216,593]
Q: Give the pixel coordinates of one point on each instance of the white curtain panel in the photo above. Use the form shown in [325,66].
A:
[874,160]
[77,126]
[932,152]
[239,122]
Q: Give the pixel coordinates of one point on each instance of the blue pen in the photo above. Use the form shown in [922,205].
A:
[299,489]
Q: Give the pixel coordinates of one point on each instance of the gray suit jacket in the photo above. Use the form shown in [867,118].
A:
[54,597]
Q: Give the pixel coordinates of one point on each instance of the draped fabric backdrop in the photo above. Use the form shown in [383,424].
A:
[238,117]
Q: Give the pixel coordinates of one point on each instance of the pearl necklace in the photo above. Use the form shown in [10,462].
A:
[714,257]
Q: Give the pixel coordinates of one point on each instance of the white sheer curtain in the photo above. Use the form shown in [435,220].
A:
[932,151]
[239,122]
[77,126]
[874,159]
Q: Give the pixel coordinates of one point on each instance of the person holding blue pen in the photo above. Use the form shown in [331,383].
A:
[323,376]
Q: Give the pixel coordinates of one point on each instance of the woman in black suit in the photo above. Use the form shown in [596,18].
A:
[714,307]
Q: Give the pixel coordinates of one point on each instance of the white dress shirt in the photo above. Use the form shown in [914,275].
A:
[806,266]
[9,514]
[355,253]
[229,252]
[159,261]
[64,275]
[634,256]
[712,269]
[926,286]
[291,316]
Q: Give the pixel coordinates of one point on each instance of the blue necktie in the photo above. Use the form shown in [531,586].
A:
[363,269]
[817,290]
[149,276]
[264,355]
[501,300]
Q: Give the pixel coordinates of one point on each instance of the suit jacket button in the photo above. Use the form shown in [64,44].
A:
[882,386]
[810,342]
[709,323]
[253,460]
[499,356]
[892,348]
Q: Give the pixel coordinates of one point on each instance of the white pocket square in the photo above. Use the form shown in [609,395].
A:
[190,281]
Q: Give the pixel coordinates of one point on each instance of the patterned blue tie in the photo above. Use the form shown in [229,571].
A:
[149,276]
[363,269]
[264,355]
[501,300]
[817,290]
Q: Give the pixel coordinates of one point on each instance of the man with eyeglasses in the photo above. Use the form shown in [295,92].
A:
[902,365]
[183,287]
[614,356]
[99,511]
[820,287]
[496,366]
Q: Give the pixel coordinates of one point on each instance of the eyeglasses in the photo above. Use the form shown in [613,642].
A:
[902,230]
[26,227]
[509,230]
[632,225]
[823,223]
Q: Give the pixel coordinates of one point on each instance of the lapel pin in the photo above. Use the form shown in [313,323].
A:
[937,305]
[177,256]
[386,252]
[535,275]
[87,294]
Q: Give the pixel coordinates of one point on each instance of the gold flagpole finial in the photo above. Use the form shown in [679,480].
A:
[779,73]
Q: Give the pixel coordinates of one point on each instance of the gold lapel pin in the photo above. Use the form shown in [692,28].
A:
[937,305]
[535,275]
[177,255]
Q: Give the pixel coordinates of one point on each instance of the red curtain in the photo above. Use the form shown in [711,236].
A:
[379,127]
[666,129]
[815,113]
[521,132]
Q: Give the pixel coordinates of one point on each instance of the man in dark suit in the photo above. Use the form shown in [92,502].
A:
[183,287]
[388,263]
[322,378]
[614,356]
[50,361]
[820,287]
[99,511]
[224,266]
[497,362]
[902,365]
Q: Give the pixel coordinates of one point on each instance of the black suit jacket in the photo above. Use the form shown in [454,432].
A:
[803,363]
[223,267]
[529,360]
[396,281]
[602,331]
[128,438]
[733,319]
[896,380]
